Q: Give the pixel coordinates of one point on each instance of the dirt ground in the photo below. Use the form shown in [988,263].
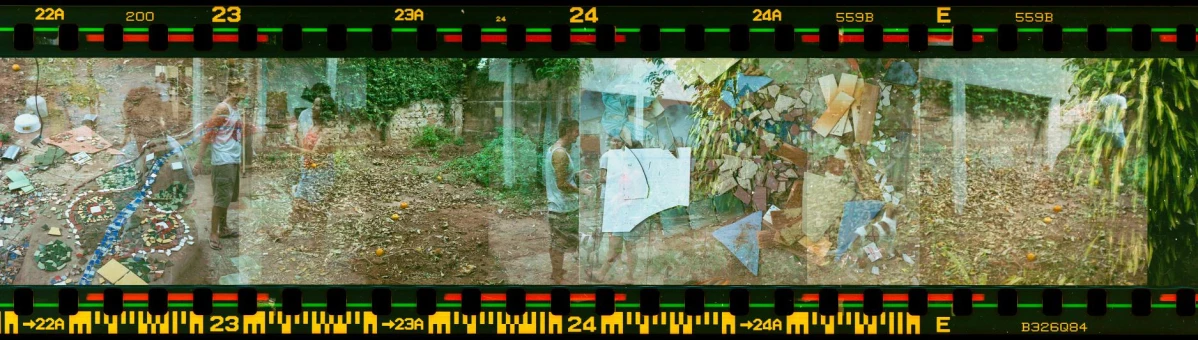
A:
[444,236]
[1003,237]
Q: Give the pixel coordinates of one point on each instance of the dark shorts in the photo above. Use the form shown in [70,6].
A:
[226,184]
[563,228]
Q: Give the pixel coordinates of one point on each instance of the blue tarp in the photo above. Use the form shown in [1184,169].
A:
[744,85]
[856,214]
[615,113]
[741,238]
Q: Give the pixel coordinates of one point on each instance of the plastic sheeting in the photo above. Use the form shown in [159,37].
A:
[644,182]
[741,238]
[856,214]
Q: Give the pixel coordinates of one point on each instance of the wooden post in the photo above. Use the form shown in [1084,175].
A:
[509,173]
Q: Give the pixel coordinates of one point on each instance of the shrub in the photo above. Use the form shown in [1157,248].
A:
[433,137]
[485,168]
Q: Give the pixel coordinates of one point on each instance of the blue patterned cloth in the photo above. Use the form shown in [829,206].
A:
[314,182]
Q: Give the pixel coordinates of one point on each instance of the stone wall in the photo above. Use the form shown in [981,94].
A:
[405,124]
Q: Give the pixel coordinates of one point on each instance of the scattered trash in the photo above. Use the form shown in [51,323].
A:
[11,152]
[856,215]
[874,270]
[81,158]
[18,181]
[874,253]
[908,259]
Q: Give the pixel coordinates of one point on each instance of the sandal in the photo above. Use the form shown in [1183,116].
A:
[233,234]
[214,244]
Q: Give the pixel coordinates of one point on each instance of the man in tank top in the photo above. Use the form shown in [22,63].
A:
[562,190]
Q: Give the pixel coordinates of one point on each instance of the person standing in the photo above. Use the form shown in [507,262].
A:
[1111,109]
[316,165]
[562,190]
[221,142]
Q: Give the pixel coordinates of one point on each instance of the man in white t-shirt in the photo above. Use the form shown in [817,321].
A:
[614,147]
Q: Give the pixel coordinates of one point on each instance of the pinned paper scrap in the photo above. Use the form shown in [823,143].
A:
[856,215]
[741,238]
[872,251]
[832,116]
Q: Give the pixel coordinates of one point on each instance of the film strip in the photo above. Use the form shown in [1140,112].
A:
[579,31]
[1109,299]
[660,310]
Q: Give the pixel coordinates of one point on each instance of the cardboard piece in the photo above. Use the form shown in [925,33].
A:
[130,280]
[112,271]
[795,200]
[865,109]
[823,207]
[792,154]
[848,83]
[55,231]
[842,126]
[837,108]
[827,86]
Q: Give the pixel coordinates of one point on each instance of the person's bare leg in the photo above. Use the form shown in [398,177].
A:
[556,257]
[218,217]
[614,245]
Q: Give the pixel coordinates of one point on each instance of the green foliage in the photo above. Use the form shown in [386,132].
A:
[563,69]
[1160,96]
[433,137]
[393,83]
[485,168]
[985,101]
[5,137]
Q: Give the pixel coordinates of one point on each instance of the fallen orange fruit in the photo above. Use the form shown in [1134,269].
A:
[403,205]
[379,252]
[1048,220]
[1031,257]
[395,217]
[1057,209]
[16,67]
